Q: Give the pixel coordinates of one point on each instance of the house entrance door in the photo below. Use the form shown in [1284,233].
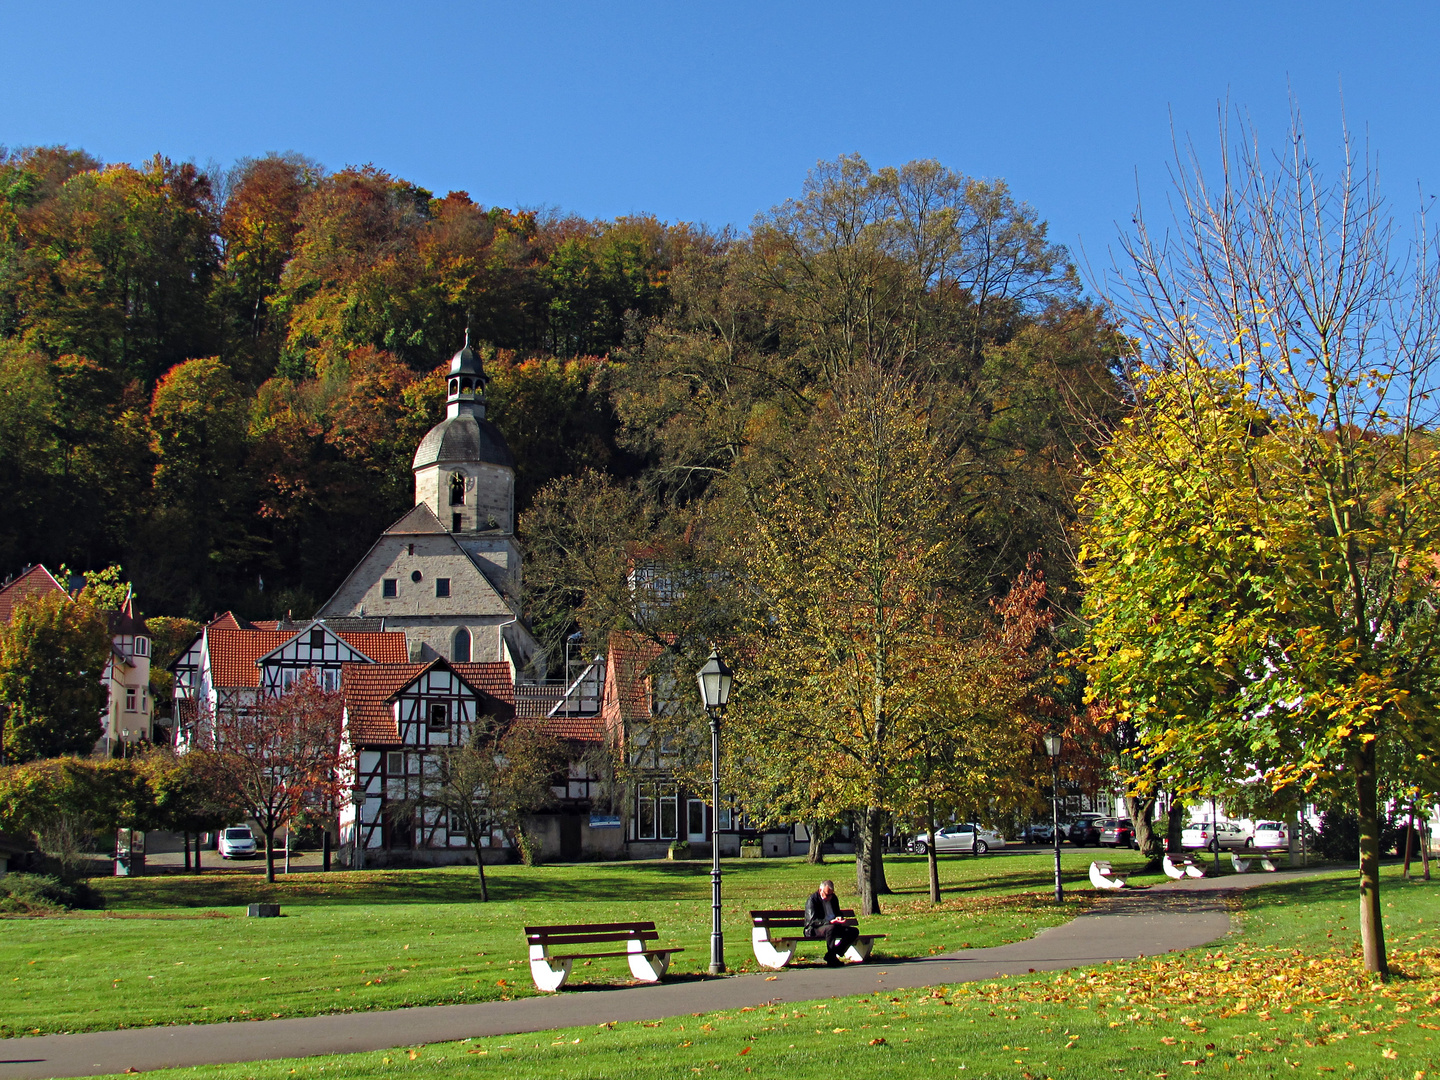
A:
[569,836]
[695,824]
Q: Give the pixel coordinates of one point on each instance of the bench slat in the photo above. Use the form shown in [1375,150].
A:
[572,939]
[585,928]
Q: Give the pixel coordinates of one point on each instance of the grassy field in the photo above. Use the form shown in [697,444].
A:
[1283,996]
[178,949]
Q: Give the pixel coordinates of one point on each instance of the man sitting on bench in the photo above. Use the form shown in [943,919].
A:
[823,921]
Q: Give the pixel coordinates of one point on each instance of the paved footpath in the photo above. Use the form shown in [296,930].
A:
[1174,916]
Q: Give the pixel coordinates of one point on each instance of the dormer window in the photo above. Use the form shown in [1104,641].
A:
[439,716]
[317,638]
[457,489]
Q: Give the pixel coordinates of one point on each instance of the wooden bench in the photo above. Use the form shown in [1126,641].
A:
[1102,876]
[1182,866]
[774,950]
[550,970]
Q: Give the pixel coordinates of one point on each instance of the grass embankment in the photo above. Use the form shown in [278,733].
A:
[179,949]
[1284,996]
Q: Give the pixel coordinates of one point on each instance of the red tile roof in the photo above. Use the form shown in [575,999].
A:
[36,581]
[574,728]
[233,653]
[627,678]
[536,701]
[231,621]
[490,678]
[386,647]
[367,690]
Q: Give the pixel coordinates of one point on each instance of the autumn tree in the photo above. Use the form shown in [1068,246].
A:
[1287,393]
[52,655]
[279,755]
[497,777]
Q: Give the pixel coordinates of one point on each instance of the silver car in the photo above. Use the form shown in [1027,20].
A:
[238,842]
[959,838]
[1215,835]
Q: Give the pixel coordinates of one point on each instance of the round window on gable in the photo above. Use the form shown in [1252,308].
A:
[415,576]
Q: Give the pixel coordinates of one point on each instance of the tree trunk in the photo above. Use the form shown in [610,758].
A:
[816,855]
[1174,827]
[185,843]
[1409,842]
[930,857]
[199,845]
[1372,926]
[270,856]
[869,861]
[1142,810]
[1425,845]
[480,868]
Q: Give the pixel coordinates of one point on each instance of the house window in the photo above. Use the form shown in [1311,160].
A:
[329,679]
[287,679]
[142,646]
[144,700]
[129,699]
[460,645]
[439,716]
[656,812]
[390,588]
[394,764]
[317,638]
[457,523]
[442,586]
[457,489]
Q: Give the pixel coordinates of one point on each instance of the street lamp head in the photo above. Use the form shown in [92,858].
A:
[1052,745]
[714,679]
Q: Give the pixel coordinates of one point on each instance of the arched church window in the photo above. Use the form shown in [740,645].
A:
[460,646]
[457,489]
[465,386]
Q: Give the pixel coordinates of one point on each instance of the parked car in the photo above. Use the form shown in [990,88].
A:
[959,838]
[1213,836]
[1117,832]
[1270,834]
[238,842]
[1085,829]
[1040,832]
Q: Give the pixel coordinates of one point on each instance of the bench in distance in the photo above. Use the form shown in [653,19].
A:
[774,950]
[550,970]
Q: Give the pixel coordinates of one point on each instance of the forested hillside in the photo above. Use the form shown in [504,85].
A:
[218,379]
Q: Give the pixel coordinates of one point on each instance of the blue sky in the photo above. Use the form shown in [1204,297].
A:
[712,112]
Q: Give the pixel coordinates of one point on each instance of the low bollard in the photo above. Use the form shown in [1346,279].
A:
[263,911]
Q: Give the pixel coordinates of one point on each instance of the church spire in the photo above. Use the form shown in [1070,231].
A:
[466,388]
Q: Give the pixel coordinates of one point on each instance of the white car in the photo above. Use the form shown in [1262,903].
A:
[959,838]
[238,842]
[1213,837]
[1271,834]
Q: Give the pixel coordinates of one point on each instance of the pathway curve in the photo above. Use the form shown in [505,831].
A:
[1166,918]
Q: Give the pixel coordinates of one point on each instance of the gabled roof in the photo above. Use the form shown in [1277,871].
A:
[234,654]
[370,689]
[230,621]
[34,581]
[385,647]
[627,677]
[420,521]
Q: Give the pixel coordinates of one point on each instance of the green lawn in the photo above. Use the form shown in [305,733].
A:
[178,949]
[1283,996]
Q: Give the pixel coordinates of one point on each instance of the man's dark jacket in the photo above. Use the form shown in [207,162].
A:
[817,918]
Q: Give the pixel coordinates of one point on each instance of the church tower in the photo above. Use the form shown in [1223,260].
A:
[448,572]
[464,472]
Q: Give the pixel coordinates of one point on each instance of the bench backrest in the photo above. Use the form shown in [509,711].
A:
[586,933]
[786,918]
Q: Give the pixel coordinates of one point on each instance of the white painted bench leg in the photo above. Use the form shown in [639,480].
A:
[1242,866]
[647,966]
[860,951]
[1173,871]
[1101,879]
[1268,864]
[766,954]
[549,973]
[1195,870]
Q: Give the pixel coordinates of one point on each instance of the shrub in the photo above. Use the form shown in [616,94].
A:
[41,894]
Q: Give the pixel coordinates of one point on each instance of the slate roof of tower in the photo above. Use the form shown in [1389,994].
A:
[463,438]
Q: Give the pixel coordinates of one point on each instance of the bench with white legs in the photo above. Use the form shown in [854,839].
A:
[636,941]
[1181,866]
[776,935]
[1103,876]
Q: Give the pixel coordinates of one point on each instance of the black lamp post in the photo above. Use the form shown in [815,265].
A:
[1052,747]
[715,679]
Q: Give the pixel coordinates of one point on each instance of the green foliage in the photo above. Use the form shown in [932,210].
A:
[43,894]
[52,655]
